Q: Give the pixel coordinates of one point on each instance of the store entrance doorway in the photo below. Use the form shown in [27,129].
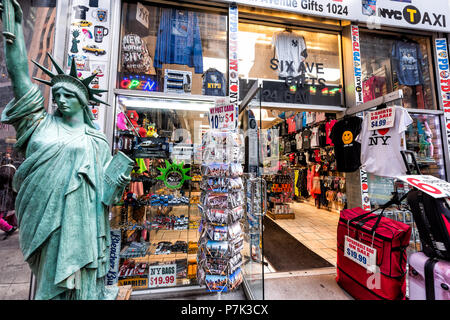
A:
[304,191]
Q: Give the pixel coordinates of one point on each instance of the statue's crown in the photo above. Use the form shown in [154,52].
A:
[72,78]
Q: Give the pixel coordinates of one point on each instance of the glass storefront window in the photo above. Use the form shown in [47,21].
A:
[173,51]
[390,63]
[424,138]
[303,67]
[159,218]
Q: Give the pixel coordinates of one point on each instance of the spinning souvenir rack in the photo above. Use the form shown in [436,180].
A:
[221,205]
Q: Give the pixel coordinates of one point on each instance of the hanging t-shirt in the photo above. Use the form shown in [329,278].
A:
[288,50]
[328,126]
[298,138]
[322,136]
[291,125]
[298,121]
[320,116]
[301,159]
[306,137]
[380,149]
[304,118]
[310,117]
[407,61]
[346,148]
[373,88]
[315,137]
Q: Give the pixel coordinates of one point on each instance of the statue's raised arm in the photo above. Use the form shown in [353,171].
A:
[15,48]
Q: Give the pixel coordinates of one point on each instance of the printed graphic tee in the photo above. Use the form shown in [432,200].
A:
[328,127]
[306,137]
[288,50]
[380,149]
[346,148]
[407,59]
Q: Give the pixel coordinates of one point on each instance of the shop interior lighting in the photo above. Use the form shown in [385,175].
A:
[169,104]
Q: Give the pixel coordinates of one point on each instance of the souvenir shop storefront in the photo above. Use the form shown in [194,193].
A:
[295,150]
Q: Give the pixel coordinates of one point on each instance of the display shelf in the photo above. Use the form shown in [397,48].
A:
[278,216]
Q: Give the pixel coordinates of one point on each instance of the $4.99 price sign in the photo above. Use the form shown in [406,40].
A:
[381,119]
[360,253]
[162,276]
[223,117]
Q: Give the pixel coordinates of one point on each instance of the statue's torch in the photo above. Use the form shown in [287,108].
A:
[8,17]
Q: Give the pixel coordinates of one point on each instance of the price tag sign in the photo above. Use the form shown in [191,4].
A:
[223,116]
[360,253]
[381,119]
[162,276]
[435,187]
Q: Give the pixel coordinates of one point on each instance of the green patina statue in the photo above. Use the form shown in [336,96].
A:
[60,205]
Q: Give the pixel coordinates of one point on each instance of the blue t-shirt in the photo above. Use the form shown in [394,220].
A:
[407,61]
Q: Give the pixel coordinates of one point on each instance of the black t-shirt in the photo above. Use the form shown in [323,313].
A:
[346,149]
[306,139]
[301,158]
[322,136]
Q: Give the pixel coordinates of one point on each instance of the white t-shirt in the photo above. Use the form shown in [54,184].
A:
[288,50]
[380,149]
[315,137]
[310,117]
[299,140]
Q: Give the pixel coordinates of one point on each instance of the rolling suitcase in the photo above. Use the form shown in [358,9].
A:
[390,239]
[431,215]
[428,278]
[432,218]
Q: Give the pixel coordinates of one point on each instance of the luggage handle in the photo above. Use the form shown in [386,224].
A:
[408,166]
[364,217]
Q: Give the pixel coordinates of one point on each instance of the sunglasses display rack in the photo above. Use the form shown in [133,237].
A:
[222,207]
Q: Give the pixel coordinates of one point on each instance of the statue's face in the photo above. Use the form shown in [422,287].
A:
[68,103]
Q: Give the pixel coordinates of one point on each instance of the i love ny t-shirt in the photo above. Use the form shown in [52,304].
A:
[380,149]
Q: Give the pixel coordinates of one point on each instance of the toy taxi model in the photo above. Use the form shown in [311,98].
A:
[93,49]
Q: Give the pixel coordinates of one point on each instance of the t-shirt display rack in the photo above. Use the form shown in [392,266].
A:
[280,192]
[309,159]
[402,213]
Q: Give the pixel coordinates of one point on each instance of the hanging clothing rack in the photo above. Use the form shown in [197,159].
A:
[390,97]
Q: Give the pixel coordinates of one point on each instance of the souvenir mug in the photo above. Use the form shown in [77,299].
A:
[99,33]
[100,14]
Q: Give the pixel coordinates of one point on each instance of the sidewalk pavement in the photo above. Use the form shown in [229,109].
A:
[15,274]
[316,284]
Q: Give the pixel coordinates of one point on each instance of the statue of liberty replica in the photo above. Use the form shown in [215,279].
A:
[63,187]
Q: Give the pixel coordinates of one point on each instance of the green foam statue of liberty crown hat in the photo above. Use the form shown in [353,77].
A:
[71,81]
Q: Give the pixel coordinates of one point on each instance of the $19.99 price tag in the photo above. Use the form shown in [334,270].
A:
[360,253]
[162,276]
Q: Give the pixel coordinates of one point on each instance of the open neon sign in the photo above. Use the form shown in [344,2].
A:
[138,83]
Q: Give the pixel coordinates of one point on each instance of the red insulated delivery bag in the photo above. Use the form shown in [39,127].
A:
[365,232]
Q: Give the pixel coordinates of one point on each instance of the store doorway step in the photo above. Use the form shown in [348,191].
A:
[285,253]
[188,293]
